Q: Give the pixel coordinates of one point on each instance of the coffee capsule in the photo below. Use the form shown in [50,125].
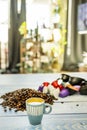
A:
[83,89]
[65,77]
[64,93]
[40,88]
[71,91]
[75,80]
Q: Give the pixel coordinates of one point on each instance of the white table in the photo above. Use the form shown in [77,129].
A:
[68,113]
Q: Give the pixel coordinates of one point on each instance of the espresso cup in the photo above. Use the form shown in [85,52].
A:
[35,108]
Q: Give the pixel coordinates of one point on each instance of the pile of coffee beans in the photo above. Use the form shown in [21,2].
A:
[17,99]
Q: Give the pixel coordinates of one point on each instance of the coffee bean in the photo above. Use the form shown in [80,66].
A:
[16,99]
[9,109]
[5,110]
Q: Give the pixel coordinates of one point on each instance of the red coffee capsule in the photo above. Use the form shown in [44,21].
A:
[46,84]
[61,87]
[55,84]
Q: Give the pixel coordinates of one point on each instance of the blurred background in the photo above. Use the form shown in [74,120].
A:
[43,36]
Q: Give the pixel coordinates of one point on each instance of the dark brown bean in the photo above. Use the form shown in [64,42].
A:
[16,99]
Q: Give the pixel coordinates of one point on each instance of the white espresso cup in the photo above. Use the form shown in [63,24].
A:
[35,108]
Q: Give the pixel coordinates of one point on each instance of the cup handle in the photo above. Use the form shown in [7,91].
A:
[47,106]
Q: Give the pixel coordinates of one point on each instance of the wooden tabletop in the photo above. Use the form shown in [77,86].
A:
[68,113]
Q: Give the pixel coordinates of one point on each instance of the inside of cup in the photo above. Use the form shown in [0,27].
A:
[35,99]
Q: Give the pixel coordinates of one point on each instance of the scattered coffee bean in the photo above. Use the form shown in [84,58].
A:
[9,109]
[5,110]
[16,110]
[77,105]
[16,99]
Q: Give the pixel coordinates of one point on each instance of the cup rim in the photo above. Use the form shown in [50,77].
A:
[29,100]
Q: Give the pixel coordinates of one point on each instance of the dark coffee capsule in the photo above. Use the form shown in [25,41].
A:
[83,82]
[75,80]
[83,89]
[65,77]
[71,91]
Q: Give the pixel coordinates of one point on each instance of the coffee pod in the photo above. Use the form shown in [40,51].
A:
[75,80]
[71,91]
[83,82]
[40,88]
[50,89]
[65,77]
[45,89]
[56,93]
[64,93]
[83,89]
[60,81]
[46,83]
[55,84]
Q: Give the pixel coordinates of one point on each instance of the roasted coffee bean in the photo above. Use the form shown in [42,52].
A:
[16,110]
[5,110]
[16,99]
[9,109]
